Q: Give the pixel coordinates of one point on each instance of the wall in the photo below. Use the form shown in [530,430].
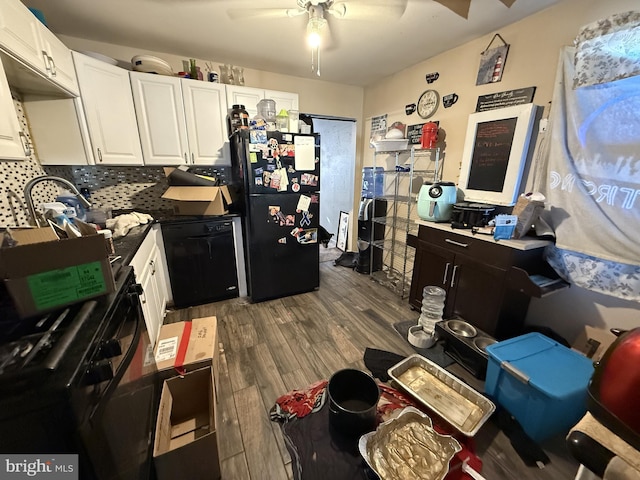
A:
[535,44]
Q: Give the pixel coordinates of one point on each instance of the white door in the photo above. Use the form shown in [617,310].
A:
[13,144]
[111,117]
[247,96]
[205,110]
[160,114]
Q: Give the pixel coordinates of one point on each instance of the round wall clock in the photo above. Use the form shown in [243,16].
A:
[428,103]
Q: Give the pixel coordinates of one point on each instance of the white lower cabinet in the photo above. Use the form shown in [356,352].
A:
[149,266]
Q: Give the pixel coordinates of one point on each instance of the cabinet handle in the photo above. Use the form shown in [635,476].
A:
[47,62]
[153,266]
[446,272]
[54,72]
[453,275]
[25,143]
[193,158]
[185,158]
[99,155]
[453,242]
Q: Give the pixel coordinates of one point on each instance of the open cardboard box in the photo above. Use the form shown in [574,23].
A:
[186,444]
[197,338]
[202,197]
[43,273]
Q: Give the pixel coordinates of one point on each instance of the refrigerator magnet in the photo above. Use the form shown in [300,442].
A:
[258,171]
[303,203]
[271,167]
[295,187]
[258,181]
[273,211]
[282,240]
[253,157]
[315,198]
[289,220]
[309,179]
[266,179]
[284,179]
[258,136]
[305,155]
[305,221]
[296,231]
[275,180]
[308,236]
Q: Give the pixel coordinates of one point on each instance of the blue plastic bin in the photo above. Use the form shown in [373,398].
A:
[542,383]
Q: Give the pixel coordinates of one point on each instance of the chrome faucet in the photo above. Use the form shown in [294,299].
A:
[29,201]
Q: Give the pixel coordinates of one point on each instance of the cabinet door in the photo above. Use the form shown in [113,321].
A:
[247,96]
[476,292]
[13,144]
[286,100]
[20,34]
[59,61]
[205,110]
[111,118]
[433,266]
[160,113]
[149,303]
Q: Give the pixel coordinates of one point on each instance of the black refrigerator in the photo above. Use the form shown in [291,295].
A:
[276,178]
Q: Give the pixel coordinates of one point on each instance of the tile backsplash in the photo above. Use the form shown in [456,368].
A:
[138,188]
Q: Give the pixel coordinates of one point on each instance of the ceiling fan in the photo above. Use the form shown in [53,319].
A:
[320,11]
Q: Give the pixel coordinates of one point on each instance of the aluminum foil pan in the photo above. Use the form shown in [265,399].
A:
[443,393]
[408,448]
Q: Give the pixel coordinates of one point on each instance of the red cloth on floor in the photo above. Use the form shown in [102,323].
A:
[300,403]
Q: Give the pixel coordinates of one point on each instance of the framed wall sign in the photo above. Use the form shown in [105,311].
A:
[343,231]
[496,149]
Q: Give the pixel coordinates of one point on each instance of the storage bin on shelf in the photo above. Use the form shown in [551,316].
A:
[542,383]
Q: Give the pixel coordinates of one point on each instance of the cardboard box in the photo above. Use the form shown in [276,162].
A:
[200,348]
[542,383]
[44,273]
[201,198]
[593,342]
[186,444]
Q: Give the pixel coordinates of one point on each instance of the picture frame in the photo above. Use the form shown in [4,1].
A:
[496,150]
[343,231]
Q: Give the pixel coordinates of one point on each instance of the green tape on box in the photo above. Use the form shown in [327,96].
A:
[66,285]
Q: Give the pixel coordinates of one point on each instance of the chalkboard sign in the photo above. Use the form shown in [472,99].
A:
[495,153]
[491,154]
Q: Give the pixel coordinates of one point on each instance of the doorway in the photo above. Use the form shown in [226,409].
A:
[337,167]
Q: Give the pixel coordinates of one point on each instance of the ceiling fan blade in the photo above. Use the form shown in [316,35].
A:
[369,9]
[243,13]
[461,7]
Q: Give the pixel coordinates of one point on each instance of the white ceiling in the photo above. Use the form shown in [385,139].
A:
[362,50]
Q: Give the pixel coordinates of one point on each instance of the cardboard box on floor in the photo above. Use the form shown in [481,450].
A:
[43,273]
[200,349]
[186,444]
[201,198]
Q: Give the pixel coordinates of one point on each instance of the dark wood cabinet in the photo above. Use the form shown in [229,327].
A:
[488,283]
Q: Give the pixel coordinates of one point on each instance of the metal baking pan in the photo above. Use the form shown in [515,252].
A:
[443,393]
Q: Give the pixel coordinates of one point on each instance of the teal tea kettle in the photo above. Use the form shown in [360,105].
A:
[435,201]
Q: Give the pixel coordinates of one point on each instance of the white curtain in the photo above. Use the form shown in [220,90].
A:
[590,174]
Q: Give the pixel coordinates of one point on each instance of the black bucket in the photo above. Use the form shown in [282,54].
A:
[353,398]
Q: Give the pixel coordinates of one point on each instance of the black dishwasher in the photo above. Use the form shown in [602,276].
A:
[201,261]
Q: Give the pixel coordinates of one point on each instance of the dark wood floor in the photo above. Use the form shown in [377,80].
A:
[270,348]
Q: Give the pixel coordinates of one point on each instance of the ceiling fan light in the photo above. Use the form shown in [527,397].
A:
[314,31]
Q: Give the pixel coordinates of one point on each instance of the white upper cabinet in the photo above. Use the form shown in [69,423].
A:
[181,121]
[205,109]
[250,96]
[109,111]
[13,143]
[25,39]
[159,110]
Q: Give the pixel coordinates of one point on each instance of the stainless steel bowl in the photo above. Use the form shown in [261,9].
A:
[481,343]
[462,328]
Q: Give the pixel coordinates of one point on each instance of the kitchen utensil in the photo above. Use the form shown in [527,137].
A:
[435,201]
[353,398]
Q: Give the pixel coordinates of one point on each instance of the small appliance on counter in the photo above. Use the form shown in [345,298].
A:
[435,201]
[470,215]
